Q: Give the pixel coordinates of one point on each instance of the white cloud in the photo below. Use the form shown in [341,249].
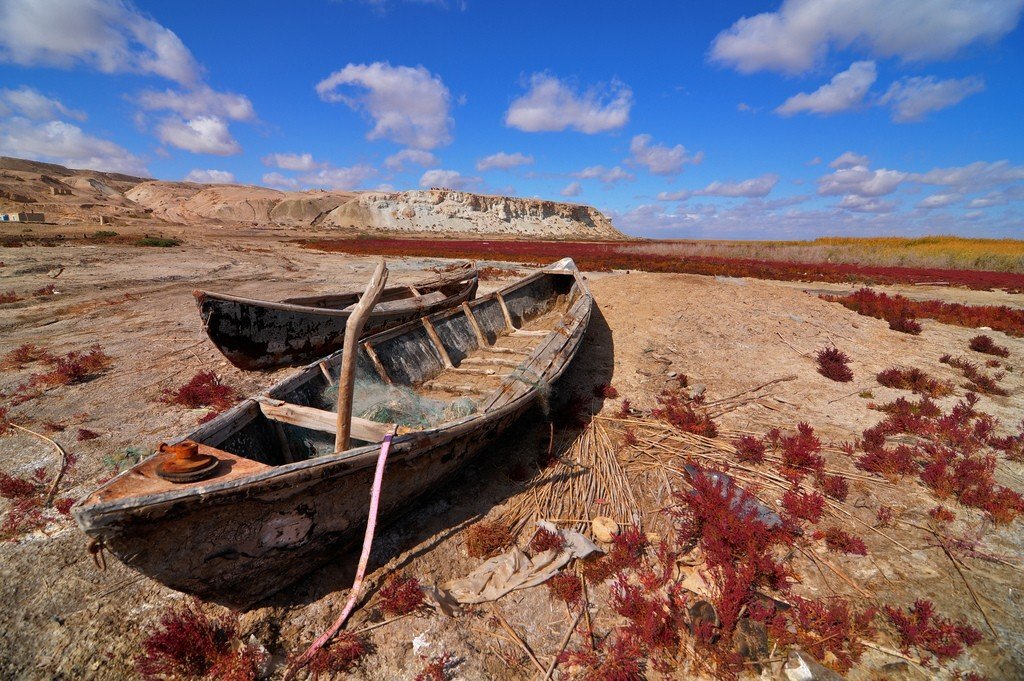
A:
[756,187]
[279,181]
[202,101]
[845,91]
[848,159]
[291,161]
[977,175]
[408,105]
[503,161]
[450,179]
[860,181]
[998,198]
[940,200]
[108,35]
[913,98]
[67,144]
[608,176]
[330,177]
[552,105]
[800,33]
[862,204]
[572,189]
[814,161]
[30,103]
[200,135]
[660,159]
[399,161]
[210,176]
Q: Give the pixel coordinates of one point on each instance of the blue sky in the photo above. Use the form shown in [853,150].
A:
[762,120]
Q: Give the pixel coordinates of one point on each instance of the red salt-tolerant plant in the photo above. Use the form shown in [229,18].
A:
[629,438]
[915,380]
[8,297]
[807,506]
[24,355]
[835,486]
[605,391]
[675,408]
[546,540]
[977,380]
[5,421]
[575,413]
[45,291]
[906,325]
[340,657]
[566,587]
[627,551]
[993,363]
[1011,445]
[653,621]
[822,627]
[942,514]
[202,390]
[800,453]
[749,449]
[85,434]
[986,345]
[890,463]
[922,628]
[832,364]
[63,505]
[884,516]
[621,659]
[625,409]
[439,668]
[838,541]
[75,367]
[189,643]
[401,595]
[485,539]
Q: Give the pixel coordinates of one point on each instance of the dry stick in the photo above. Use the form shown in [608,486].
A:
[378,625]
[364,558]
[561,646]
[970,589]
[894,653]
[353,330]
[520,642]
[791,377]
[836,570]
[63,462]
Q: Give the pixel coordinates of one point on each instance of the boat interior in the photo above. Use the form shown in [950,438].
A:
[426,293]
[422,374]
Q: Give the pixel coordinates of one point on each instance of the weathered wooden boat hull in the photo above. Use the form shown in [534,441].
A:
[255,334]
[237,539]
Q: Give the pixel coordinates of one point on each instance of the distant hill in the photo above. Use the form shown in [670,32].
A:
[71,196]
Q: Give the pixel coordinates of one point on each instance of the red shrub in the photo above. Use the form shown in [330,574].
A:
[906,325]
[75,367]
[914,380]
[822,627]
[606,391]
[838,541]
[653,621]
[340,657]
[64,505]
[749,449]
[439,668]
[16,488]
[8,297]
[25,354]
[832,364]
[202,390]
[807,506]
[575,413]
[835,486]
[44,291]
[485,539]
[620,660]
[922,628]
[884,516]
[566,587]
[86,434]
[986,345]
[942,514]
[629,438]
[5,422]
[401,595]
[677,410]
[545,540]
[977,379]
[800,453]
[1011,445]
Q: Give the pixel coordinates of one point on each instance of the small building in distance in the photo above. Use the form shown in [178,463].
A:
[22,217]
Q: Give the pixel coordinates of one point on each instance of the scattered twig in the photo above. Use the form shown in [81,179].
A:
[63,463]
[561,646]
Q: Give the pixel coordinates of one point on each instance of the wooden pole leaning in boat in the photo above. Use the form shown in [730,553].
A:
[353,330]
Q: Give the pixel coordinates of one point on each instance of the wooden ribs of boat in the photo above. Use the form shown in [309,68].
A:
[259,334]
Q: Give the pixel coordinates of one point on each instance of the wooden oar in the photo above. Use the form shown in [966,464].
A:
[353,330]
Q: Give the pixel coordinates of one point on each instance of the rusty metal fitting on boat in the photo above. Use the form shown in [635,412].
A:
[183,462]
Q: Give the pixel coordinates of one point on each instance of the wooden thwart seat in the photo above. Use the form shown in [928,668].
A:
[324,421]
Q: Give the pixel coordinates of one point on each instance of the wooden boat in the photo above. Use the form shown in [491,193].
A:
[261,334]
[280,497]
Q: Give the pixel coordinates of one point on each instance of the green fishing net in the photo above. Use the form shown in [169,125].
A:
[384,403]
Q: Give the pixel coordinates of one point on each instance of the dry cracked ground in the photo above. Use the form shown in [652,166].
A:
[61,617]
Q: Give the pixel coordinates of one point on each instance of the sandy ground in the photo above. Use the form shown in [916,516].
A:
[63,618]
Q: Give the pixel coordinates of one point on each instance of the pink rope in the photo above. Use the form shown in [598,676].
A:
[364,558]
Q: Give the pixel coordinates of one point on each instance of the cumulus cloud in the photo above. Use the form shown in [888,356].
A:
[845,91]
[503,161]
[408,105]
[110,36]
[572,189]
[399,161]
[848,159]
[608,176]
[800,33]
[755,187]
[351,177]
[859,180]
[210,176]
[977,175]
[660,159]
[551,104]
[863,204]
[32,104]
[200,135]
[450,179]
[940,200]
[202,101]
[67,144]
[279,181]
[291,161]
[914,98]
